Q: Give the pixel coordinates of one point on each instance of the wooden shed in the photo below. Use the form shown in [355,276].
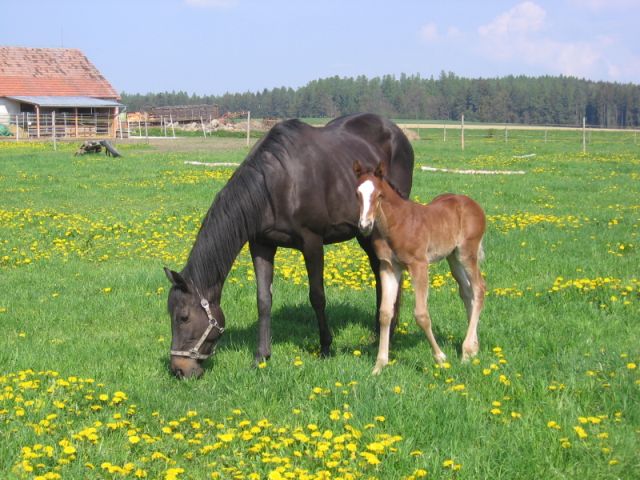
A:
[46,91]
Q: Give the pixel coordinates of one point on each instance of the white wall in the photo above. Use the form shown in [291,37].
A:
[8,108]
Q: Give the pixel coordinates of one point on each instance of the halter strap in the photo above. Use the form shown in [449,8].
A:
[195,351]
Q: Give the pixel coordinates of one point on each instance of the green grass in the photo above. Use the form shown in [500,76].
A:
[83,311]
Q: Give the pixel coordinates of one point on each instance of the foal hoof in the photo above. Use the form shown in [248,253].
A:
[467,356]
[440,358]
[377,370]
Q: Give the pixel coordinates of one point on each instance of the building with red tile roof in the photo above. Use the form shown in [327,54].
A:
[40,81]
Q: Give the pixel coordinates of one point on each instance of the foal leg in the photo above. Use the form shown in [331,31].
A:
[365,243]
[390,276]
[420,279]
[313,253]
[262,256]
[466,271]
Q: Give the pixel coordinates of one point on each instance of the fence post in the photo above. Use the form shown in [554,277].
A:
[444,133]
[462,132]
[506,134]
[204,132]
[584,135]
[53,129]
[173,128]
[248,126]
[17,129]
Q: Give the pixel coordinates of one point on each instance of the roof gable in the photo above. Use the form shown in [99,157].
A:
[52,72]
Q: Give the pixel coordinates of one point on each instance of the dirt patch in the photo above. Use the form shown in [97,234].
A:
[190,144]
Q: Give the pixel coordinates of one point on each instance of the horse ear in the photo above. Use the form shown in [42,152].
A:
[381,170]
[357,168]
[176,279]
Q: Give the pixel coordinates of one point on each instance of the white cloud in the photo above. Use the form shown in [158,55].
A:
[210,3]
[521,19]
[429,32]
[516,35]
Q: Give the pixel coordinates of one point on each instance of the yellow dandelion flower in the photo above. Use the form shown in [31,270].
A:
[582,434]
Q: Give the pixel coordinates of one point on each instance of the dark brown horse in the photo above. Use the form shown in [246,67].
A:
[295,189]
[408,235]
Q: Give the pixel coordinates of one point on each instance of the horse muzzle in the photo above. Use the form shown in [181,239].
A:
[183,367]
[365,227]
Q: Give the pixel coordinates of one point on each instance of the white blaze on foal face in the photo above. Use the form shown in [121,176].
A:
[365,192]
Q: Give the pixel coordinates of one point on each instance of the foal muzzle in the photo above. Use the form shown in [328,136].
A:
[365,227]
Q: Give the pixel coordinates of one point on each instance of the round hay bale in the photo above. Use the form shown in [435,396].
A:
[412,135]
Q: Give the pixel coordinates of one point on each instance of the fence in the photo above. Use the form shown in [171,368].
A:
[25,126]
[579,135]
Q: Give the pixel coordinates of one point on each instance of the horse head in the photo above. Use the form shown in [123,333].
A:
[369,193]
[196,325]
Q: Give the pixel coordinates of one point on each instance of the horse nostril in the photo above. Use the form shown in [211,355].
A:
[178,373]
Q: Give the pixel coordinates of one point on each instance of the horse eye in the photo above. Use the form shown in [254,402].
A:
[183,315]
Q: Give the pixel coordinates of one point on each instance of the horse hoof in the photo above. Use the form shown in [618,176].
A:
[377,370]
[440,358]
[467,356]
[257,361]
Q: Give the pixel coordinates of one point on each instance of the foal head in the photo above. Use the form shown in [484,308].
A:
[369,192]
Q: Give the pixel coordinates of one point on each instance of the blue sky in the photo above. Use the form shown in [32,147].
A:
[218,46]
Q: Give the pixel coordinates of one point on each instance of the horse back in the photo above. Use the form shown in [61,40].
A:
[462,210]
[309,173]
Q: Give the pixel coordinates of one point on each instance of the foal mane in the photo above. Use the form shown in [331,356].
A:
[387,180]
[236,213]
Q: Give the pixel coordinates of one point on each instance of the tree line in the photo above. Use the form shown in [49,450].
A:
[549,100]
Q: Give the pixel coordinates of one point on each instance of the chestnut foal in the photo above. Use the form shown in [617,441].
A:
[409,235]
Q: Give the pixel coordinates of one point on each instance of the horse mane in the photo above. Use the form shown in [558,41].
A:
[236,213]
[393,187]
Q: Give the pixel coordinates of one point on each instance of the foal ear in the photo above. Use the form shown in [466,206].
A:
[357,168]
[381,170]
[176,280]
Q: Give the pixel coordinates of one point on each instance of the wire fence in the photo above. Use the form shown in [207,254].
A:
[466,135]
[60,125]
[30,126]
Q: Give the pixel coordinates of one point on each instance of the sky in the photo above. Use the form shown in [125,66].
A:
[211,47]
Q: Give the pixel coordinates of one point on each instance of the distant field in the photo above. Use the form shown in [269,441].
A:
[84,385]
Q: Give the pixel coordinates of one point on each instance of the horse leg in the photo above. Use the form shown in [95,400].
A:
[313,253]
[466,271]
[420,279]
[366,245]
[390,276]
[262,256]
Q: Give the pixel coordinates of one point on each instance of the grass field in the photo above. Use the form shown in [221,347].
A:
[85,390]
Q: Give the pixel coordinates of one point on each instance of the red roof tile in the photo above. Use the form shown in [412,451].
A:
[51,71]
